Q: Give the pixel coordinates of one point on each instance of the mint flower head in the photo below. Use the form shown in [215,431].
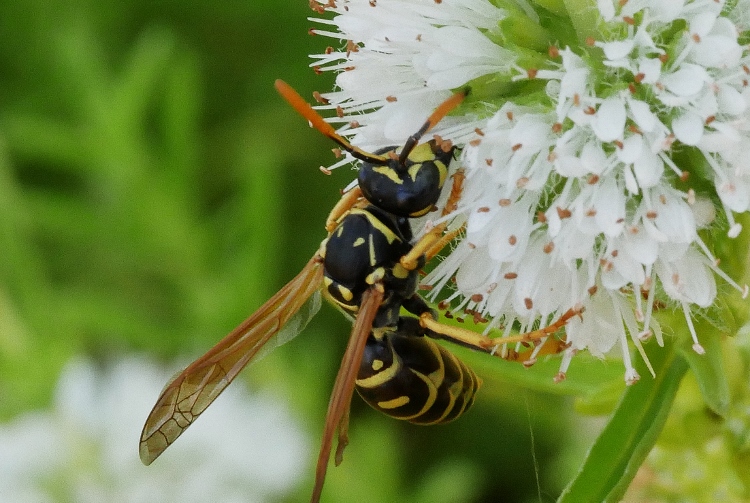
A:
[602,151]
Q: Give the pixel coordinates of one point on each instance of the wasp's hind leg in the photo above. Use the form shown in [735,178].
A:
[436,239]
[490,345]
[417,305]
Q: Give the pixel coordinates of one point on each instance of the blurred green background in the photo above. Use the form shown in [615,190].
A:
[154,190]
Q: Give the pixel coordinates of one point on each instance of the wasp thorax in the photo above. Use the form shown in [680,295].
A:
[363,250]
[410,189]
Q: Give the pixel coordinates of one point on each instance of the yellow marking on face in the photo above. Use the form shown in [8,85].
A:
[377,365]
[394,403]
[413,170]
[389,173]
[442,170]
[358,242]
[421,153]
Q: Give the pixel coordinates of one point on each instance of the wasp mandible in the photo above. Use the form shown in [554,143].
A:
[368,267]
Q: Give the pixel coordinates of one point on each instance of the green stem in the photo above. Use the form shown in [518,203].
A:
[630,434]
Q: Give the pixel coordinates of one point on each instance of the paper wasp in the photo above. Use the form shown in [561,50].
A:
[367,267]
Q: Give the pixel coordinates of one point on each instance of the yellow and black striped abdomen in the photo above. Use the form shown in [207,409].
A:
[412,377]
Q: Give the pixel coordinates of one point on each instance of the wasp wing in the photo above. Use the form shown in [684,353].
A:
[341,396]
[184,398]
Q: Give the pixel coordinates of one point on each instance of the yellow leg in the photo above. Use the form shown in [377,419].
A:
[442,242]
[550,346]
[431,243]
[426,242]
[347,201]
[489,344]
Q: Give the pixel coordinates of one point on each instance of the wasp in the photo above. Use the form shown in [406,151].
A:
[367,267]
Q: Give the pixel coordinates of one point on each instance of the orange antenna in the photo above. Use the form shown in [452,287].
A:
[441,111]
[305,110]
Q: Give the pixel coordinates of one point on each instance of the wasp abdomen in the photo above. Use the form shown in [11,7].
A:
[411,377]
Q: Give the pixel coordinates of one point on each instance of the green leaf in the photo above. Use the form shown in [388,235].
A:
[709,369]
[734,259]
[603,399]
[585,376]
[616,455]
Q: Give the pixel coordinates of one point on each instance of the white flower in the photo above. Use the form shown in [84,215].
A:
[416,51]
[85,449]
[581,163]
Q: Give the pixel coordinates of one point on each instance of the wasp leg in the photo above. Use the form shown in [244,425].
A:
[442,242]
[346,203]
[432,242]
[488,344]
[417,305]
[547,346]
[428,246]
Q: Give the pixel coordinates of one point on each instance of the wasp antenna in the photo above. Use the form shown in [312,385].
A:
[441,111]
[305,110]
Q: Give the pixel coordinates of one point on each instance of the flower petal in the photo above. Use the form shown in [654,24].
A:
[688,128]
[609,121]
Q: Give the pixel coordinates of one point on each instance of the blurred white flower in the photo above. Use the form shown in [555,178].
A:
[85,449]
[584,161]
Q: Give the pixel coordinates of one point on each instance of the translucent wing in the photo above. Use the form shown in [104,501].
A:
[281,318]
[341,397]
